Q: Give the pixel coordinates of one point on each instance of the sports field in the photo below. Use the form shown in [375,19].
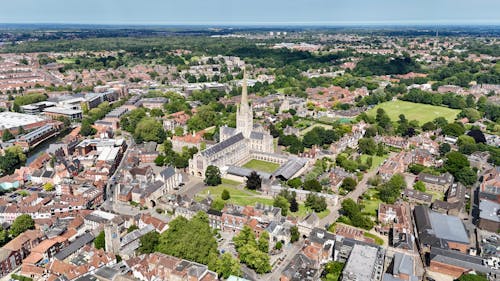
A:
[415,111]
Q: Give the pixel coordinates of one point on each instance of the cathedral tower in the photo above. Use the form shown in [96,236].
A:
[244,116]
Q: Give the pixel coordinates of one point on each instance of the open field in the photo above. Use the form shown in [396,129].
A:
[261,166]
[304,211]
[415,111]
[238,196]
[376,162]
[370,202]
[327,127]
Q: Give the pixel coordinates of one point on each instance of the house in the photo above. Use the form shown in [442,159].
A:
[156,266]
[439,183]
[364,263]
[300,268]
[308,223]
[439,230]
[490,187]
[454,263]
[455,200]
[489,215]
[416,196]
[319,246]
[13,253]
[403,268]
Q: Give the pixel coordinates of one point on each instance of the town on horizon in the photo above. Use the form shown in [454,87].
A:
[276,141]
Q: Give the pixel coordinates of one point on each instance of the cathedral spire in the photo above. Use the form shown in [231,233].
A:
[244,91]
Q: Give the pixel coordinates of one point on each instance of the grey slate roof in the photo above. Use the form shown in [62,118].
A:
[75,246]
[223,145]
[228,130]
[461,260]
[244,172]
[257,135]
[448,227]
[489,210]
[403,264]
[167,172]
[290,168]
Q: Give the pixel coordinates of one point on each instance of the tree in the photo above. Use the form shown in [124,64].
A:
[281,202]
[349,184]
[226,266]
[313,185]
[100,241]
[190,239]
[367,146]
[86,128]
[225,195]
[294,206]
[132,228]
[149,242]
[48,186]
[21,224]
[354,215]
[249,250]
[444,148]
[453,129]
[218,204]
[4,236]
[148,129]
[294,183]
[7,135]
[212,176]
[294,234]
[333,270]
[315,202]
[391,191]
[278,246]
[263,242]
[429,126]
[420,186]
[477,135]
[455,162]
[254,182]
[382,118]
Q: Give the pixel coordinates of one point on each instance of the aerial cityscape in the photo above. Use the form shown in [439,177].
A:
[261,140]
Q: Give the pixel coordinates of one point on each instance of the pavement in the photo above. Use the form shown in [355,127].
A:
[289,252]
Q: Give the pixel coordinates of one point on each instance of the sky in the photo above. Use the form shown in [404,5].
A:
[251,12]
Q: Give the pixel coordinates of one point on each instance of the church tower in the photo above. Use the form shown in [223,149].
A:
[244,116]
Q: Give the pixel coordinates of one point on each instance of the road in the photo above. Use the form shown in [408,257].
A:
[361,188]
[289,254]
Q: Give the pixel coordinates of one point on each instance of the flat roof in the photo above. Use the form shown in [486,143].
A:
[13,119]
[62,110]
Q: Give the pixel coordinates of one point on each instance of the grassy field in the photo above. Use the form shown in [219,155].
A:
[377,160]
[303,132]
[370,202]
[261,166]
[303,211]
[66,61]
[415,111]
[238,196]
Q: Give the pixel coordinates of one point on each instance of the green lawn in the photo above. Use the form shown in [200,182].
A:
[377,160]
[303,211]
[379,241]
[415,111]
[435,195]
[327,127]
[238,196]
[66,60]
[370,202]
[261,166]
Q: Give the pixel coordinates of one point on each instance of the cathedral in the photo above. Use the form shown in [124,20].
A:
[237,145]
